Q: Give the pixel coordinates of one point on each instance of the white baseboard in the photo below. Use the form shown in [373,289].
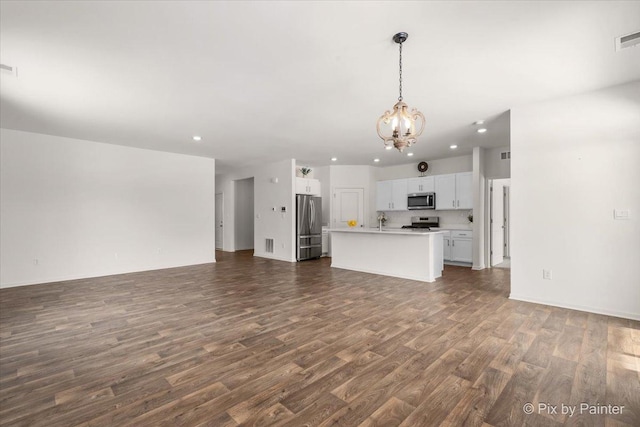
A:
[91,276]
[588,309]
[277,258]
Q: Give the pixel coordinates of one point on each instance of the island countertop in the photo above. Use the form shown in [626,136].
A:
[406,231]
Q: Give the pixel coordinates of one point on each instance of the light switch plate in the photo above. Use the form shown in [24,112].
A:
[621,214]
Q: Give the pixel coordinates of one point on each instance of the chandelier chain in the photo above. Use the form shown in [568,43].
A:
[400,97]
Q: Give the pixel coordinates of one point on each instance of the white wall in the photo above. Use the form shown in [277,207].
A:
[575,160]
[436,167]
[267,195]
[479,208]
[86,209]
[244,224]
[494,166]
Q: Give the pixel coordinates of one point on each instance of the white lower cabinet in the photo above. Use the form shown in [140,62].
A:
[446,255]
[458,246]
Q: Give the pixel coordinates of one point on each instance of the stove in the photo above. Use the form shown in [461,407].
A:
[423,222]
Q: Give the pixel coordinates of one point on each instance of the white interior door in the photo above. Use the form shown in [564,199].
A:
[218,219]
[497,223]
[348,204]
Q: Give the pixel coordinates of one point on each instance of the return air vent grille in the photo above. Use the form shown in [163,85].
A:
[505,155]
[630,40]
[268,247]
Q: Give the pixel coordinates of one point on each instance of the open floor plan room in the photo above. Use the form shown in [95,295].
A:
[253,341]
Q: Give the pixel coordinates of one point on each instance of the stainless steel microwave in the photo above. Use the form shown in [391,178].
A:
[421,201]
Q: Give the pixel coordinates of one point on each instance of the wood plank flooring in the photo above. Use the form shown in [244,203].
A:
[252,342]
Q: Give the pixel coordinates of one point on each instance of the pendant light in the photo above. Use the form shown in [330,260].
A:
[402,127]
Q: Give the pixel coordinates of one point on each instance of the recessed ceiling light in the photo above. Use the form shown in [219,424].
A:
[333,159]
[388,147]
[409,154]
[376,160]
[481,130]
[453,147]
[478,122]
[197,138]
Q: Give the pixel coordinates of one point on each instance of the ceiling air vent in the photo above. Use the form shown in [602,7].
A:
[630,40]
[505,155]
[8,69]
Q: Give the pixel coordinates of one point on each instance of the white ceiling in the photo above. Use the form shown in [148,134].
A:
[264,81]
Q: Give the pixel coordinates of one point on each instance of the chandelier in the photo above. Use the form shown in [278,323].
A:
[398,128]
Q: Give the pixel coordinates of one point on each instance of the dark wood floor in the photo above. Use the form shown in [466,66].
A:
[249,341]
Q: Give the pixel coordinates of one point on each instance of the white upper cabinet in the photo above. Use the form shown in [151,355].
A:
[464,193]
[308,186]
[454,191]
[445,191]
[423,184]
[391,195]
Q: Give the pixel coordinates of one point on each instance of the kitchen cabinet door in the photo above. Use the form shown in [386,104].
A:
[464,193]
[461,250]
[384,195]
[314,187]
[424,184]
[399,195]
[446,255]
[445,186]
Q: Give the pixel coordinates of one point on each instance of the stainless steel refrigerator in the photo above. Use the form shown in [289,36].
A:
[308,227]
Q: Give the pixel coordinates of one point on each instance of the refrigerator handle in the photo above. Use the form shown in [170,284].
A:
[313,215]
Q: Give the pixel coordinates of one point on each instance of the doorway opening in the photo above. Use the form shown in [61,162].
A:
[219,231]
[499,223]
[244,215]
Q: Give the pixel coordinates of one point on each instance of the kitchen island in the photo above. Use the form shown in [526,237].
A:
[409,254]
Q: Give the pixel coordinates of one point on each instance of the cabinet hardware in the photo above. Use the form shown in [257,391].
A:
[454,203]
[453,243]
[458,203]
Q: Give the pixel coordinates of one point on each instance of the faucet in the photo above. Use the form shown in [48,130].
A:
[380,225]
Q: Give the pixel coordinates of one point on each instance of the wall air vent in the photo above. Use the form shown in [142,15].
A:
[9,70]
[505,155]
[268,247]
[630,40]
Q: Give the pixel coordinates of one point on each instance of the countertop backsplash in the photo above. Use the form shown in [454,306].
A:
[448,219]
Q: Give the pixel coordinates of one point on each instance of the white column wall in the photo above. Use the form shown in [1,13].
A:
[575,160]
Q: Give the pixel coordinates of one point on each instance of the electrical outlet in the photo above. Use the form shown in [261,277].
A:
[546,274]
[36,261]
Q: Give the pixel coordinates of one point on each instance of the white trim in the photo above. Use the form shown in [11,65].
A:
[277,258]
[105,274]
[596,310]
